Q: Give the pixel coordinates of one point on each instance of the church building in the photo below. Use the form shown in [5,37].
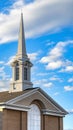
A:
[25,107]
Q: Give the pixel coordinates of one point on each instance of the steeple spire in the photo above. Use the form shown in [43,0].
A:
[21,43]
[21,65]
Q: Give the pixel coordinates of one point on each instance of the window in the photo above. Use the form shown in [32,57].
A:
[34,118]
[25,73]
[17,71]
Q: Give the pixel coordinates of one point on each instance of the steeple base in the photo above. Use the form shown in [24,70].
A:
[20,86]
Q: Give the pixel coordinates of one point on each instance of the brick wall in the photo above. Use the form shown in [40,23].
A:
[1,119]
[52,123]
[17,120]
[14,120]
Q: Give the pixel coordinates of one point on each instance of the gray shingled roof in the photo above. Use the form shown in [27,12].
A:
[6,96]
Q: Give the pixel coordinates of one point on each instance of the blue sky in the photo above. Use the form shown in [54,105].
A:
[49,40]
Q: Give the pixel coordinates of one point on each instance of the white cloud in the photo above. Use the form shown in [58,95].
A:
[48,85]
[54,65]
[3,75]
[43,83]
[57,93]
[4,85]
[70,80]
[70,111]
[2,62]
[39,16]
[68,88]
[42,74]
[55,78]
[33,56]
[1,69]
[55,60]
[18,4]
[11,59]
[67,69]
[50,43]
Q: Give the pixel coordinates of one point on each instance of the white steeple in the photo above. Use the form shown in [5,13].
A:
[21,44]
[21,65]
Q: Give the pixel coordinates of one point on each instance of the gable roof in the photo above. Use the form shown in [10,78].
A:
[10,99]
[6,96]
[53,101]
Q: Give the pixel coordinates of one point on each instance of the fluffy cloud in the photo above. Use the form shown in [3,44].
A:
[70,80]
[2,62]
[1,69]
[11,59]
[68,88]
[57,93]
[55,78]
[4,85]
[48,85]
[43,83]
[67,69]
[54,65]
[42,74]
[39,17]
[33,56]
[50,43]
[54,59]
[3,75]
[71,111]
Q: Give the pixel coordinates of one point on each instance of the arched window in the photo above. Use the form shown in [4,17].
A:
[34,118]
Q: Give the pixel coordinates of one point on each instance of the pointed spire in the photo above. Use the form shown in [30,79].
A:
[21,44]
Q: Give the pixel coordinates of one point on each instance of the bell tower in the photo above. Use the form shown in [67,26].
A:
[21,65]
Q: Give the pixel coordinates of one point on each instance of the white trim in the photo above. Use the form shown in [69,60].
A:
[26,108]
[49,101]
[42,93]
[21,97]
[15,107]
[53,102]
[53,113]
[28,94]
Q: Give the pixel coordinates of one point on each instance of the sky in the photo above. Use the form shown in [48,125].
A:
[48,26]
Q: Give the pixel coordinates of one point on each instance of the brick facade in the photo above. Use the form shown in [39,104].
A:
[14,120]
[17,120]
[52,123]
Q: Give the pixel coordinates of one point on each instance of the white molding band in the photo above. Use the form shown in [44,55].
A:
[52,113]
[15,107]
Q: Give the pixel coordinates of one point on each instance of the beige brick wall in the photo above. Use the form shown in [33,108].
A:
[14,120]
[24,120]
[1,120]
[11,120]
[61,123]
[52,123]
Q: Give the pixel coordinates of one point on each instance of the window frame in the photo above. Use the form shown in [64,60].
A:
[17,73]
[25,73]
[34,118]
